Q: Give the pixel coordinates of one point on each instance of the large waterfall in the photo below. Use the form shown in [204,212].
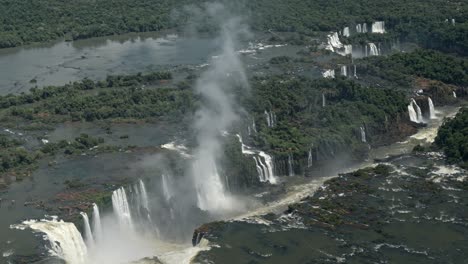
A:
[290,165]
[432,114]
[415,113]
[263,162]
[121,208]
[87,229]
[334,42]
[378,27]
[329,74]
[363,134]
[97,227]
[65,241]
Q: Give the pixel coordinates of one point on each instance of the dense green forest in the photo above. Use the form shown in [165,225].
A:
[433,65]
[452,138]
[416,20]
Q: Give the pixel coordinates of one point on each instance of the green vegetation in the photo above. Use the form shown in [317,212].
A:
[303,123]
[416,20]
[452,138]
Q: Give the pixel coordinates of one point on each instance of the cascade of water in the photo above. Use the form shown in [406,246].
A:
[355,71]
[358,28]
[121,208]
[144,199]
[309,159]
[378,27]
[431,108]
[273,118]
[268,118]
[454,94]
[167,190]
[97,227]
[453,21]
[418,112]
[412,113]
[344,70]
[290,165]
[364,28]
[324,102]
[346,32]
[87,229]
[211,193]
[260,169]
[65,240]
[334,42]
[329,74]
[366,53]
[348,49]
[270,176]
[254,127]
[374,51]
[363,134]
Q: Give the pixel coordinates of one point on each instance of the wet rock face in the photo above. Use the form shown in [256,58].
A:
[406,210]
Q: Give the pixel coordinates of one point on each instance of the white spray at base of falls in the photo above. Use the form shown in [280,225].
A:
[432,114]
[97,226]
[218,112]
[378,27]
[87,230]
[363,134]
[263,162]
[65,241]
[121,208]
[290,165]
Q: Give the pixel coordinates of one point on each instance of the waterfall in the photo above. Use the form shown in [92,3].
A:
[454,94]
[378,27]
[348,49]
[344,70]
[211,194]
[333,42]
[364,28]
[309,159]
[329,74]
[254,127]
[144,199]
[358,28]
[260,170]
[415,113]
[264,167]
[374,51]
[97,227]
[121,208]
[346,32]
[87,229]
[363,134]
[355,71]
[270,177]
[290,165]
[167,191]
[324,101]
[267,116]
[431,108]
[273,118]
[453,21]
[412,113]
[65,240]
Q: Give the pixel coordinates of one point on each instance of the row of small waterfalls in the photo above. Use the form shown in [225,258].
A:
[345,71]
